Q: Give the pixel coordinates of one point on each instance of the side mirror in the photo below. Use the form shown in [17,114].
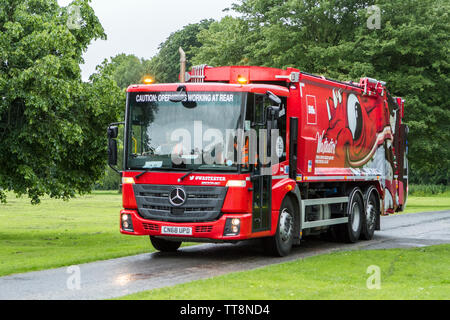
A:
[275,99]
[180,95]
[113,132]
[112,152]
[273,112]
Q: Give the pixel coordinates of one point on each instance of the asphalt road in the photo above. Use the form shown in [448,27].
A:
[118,277]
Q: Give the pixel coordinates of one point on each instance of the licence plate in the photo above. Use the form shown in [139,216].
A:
[177,230]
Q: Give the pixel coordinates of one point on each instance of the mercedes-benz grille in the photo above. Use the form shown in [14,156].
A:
[166,203]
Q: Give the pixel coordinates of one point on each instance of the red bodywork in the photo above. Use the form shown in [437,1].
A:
[334,145]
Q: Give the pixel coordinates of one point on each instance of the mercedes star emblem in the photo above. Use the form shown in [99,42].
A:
[177,197]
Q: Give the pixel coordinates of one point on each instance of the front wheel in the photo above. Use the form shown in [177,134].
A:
[281,244]
[165,245]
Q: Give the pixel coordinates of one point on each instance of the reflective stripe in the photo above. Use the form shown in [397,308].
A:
[321,178]
[280,177]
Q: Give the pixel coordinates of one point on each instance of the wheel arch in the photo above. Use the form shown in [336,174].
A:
[287,189]
[295,196]
[355,190]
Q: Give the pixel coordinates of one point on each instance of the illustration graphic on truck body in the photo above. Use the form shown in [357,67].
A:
[360,132]
[236,153]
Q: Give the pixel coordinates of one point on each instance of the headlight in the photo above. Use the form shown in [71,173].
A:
[235,222]
[127,223]
[232,227]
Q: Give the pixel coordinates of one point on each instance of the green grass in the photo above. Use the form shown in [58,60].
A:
[428,203]
[60,233]
[421,273]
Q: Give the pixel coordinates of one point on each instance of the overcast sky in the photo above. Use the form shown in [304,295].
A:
[139,26]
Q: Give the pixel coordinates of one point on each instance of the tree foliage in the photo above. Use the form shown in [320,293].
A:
[126,69]
[410,51]
[52,124]
[165,66]
[226,42]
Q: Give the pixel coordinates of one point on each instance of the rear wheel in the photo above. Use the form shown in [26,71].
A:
[165,245]
[372,211]
[351,231]
[281,244]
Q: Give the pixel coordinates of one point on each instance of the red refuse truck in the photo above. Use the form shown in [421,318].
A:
[242,152]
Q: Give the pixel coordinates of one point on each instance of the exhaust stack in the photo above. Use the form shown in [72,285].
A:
[182,65]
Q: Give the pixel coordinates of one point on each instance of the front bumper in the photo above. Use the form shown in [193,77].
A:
[213,230]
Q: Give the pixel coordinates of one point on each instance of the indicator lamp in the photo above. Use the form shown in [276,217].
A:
[127,180]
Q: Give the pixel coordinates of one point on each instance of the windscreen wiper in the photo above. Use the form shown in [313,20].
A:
[192,171]
[142,173]
[187,174]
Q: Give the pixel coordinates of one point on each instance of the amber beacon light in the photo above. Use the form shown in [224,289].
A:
[148,80]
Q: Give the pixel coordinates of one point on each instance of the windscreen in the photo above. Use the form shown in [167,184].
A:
[197,133]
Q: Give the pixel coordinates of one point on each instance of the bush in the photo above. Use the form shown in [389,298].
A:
[427,189]
[109,181]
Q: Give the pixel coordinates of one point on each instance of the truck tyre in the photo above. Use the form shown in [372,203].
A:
[372,211]
[165,245]
[280,245]
[351,231]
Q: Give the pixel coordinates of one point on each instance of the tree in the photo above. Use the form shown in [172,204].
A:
[165,66]
[410,51]
[126,69]
[226,42]
[52,124]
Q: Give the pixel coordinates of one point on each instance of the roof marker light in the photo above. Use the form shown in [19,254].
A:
[242,80]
